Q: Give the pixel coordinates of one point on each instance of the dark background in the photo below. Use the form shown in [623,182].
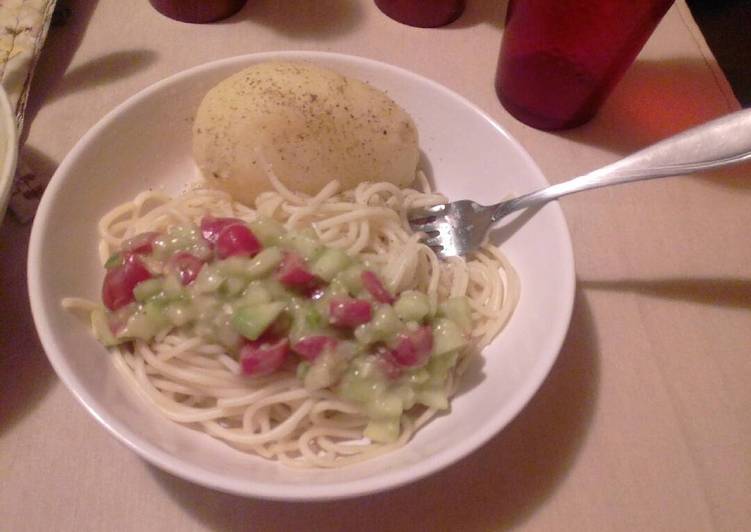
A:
[726,25]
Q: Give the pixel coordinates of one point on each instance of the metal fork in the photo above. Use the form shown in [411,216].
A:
[460,227]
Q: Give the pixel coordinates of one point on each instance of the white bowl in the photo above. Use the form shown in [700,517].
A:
[8,150]
[145,142]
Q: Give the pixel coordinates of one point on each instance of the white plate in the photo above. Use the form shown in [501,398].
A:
[145,142]
[8,150]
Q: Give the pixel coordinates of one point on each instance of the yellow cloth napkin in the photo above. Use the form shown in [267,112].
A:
[23,28]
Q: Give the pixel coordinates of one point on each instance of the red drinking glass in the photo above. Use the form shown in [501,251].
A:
[422,13]
[560,59]
[198,11]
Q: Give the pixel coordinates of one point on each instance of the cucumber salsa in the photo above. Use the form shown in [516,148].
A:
[280,300]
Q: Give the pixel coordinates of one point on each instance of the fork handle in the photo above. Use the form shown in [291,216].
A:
[717,143]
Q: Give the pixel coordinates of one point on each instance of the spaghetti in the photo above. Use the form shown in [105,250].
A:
[199,383]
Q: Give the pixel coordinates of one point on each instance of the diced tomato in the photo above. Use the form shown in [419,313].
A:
[185,265]
[294,272]
[413,348]
[262,357]
[388,365]
[237,240]
[211,227]
[316,293]
[311,346]
[349,312]
[117,288]
[141,244]
[373,284]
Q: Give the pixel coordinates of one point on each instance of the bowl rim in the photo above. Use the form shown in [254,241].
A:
[383,481]
[10,157]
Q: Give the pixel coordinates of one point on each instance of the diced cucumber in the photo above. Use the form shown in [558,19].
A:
[384,326]
[236,266]
[171,291]
[366,367]
[458,310]
[314,320]
[412,306]
[335,289]
[386,323]
[306,320]
[223,331]
[178,238]
[277,290]
[365,334]
[209,280]
[407,395]
[138,326]
[147,289]
[329,263]
[144,325]
[325,371]
[354,389]
[302,370]
[433,398]
[179,314]
[383,430]
[155,312]
[385,405]
[101,328]
[300,328]
[351,278]
[322,306]
[207,307]
[255,293]
[233,285]
[256,268]
[309,247]
[361,390]
[447,336]
[267,231]
[251,321]
[439,366]
[264,263]
[349,350]
[416,376]
[318,376]
[116,259]
[172,287]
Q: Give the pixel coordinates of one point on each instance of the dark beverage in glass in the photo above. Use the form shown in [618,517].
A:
[560,59]
[197,11]
[422,13]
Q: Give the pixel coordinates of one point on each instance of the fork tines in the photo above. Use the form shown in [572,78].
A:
[424,218]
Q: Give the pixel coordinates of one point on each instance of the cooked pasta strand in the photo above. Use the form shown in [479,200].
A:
[198,383]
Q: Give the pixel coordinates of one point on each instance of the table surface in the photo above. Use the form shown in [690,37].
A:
[644,421]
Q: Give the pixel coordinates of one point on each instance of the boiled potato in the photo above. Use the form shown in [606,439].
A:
[309,124]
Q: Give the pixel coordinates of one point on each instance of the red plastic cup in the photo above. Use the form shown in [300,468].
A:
[198,11]
[422,13]
[560,59]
